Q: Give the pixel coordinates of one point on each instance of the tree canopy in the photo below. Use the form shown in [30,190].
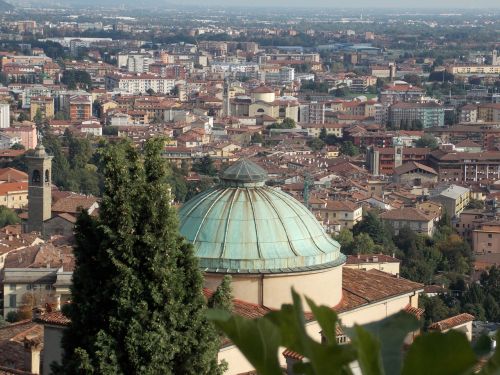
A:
[137,302]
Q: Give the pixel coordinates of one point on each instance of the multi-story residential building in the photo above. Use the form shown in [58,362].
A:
[486,238]
[135,62]
[473,69]
[4,115]
[468,113]
[346,213]
[486,135]
[14,194]
[314,130]
[382,161]
[488,112]
[401,93]
[418,221]
[466,167]
[453,198]
[43,104]
[312,113]
[471,219]
[360,84]
[26,132]
[139,83]
[410,115]
[80,107]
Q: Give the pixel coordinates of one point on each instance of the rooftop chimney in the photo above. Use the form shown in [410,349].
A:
[32,348]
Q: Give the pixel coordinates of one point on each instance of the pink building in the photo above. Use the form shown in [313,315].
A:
[25,131]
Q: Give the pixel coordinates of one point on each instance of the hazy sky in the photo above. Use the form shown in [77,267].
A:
[443,4]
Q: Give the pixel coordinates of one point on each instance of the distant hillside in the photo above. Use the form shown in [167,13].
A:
[4,6]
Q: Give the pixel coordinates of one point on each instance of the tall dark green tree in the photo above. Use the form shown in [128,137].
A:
[205,166]
[137,302]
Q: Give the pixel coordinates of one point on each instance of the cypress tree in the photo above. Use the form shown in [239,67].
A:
[137,302]
[222,297]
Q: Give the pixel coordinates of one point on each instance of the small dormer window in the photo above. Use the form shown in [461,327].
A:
[35,178]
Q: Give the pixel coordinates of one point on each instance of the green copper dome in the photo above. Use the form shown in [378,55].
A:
[245,226]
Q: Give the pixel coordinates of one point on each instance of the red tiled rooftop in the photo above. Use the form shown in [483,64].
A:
[452,322]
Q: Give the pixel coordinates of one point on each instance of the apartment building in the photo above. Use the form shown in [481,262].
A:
[383,161]
[453,198]
[4,115]
[466,167]
[43,104]
[488,112]
[418,221]
[346,213]
[312,113]
[425,115]
[139,83]
[486,238]
[80,107]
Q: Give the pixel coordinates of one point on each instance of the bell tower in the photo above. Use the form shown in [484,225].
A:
[39,189]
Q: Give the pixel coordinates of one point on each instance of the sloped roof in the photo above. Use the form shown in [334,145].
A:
[406,214]
[412,165]
[452,322]
[12,175]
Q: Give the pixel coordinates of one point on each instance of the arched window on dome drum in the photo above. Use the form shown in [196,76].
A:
[35,177]
[47,176]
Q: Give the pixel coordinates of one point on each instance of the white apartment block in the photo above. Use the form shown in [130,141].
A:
[139,83]
[4,115]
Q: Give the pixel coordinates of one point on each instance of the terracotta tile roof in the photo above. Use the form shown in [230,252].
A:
[12,175]
[292,355]
[72,203]
[362,287]
[56,318]
[406,214]
[417,312]
[412,165]
[11,187]
[12,352]
[452,322]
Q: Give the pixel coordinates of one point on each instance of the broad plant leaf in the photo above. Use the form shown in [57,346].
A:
[440,354]
[327,319]
[391,333]
[257,339]
[492,367]
[482,346]
[368,351]
[325,359]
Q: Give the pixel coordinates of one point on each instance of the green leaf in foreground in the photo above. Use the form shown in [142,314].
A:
[391,333]
[257,339]
[440,354]
[368,350]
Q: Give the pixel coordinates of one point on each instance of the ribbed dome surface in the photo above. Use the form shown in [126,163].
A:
[255,229]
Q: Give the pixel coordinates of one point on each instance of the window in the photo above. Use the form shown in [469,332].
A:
[28,287]
[12,286]
[12,300]
[489,235]
[35,177]
[48,287]
[47,176]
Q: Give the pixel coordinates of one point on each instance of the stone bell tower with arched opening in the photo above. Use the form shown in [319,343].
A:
[39,189]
